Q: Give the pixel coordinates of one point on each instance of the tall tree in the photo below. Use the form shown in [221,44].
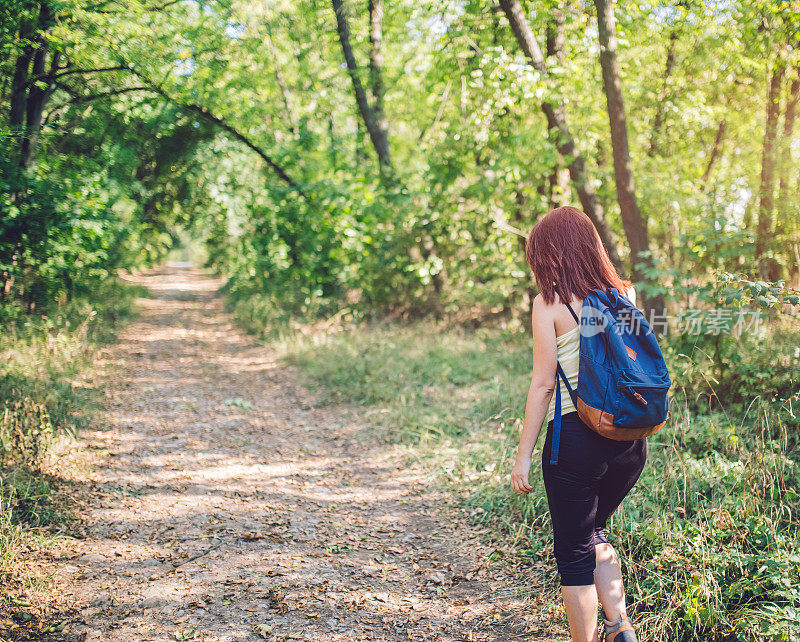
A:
[372,115]
[632,220]
[557,123]
[30,87]
[19,81]
[767,267]
[38,95]
[375,10]
[784,165]
[658,119]
[558,187]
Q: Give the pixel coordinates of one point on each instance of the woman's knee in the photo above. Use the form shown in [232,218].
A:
[605,553]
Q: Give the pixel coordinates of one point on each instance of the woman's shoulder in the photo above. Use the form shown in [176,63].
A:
[542,305]
[542,311]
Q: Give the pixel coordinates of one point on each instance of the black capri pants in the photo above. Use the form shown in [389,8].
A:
[591,479]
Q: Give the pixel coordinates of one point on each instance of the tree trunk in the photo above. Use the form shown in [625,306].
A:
[27,96]
[632,220]
[554,48]
[784,166]
[378,135]
[37,99]
[557,124]
[796,249]
[554,36]
[287,108]
[716,150]
[373,116]
[375,8]
[767,267]
[658,119]
[34,106]
[19,82]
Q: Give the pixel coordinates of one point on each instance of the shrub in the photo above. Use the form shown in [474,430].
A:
[25,432]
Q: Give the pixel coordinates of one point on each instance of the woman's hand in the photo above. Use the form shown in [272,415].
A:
[519,475]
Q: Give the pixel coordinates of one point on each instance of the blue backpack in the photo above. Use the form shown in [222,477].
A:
[623,382]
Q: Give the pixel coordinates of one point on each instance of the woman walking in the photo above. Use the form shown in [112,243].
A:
[593,474]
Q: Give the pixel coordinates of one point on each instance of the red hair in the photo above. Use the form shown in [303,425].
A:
[567,256]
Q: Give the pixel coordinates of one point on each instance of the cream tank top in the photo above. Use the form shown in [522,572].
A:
[568,351]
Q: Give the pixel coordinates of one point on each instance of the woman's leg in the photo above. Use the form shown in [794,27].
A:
[608,581]
[581,605]
[572,499]
[572,508]
[623,473]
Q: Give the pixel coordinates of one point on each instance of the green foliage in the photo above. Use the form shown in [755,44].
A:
[739,290]
[41,356]
[67,226]
[25,431]
[39,400]
[26,498]
[732,340]
[711,532]
[740,374]
[152,142]
[471,148]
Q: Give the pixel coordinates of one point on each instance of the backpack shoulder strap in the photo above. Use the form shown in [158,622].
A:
[556,436]
[561,376]
[572,312]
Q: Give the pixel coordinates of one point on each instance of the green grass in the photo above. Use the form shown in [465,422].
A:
[429,382]
[709,537]
[45,400]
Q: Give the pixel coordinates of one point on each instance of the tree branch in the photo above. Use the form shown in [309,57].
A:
[377,134]
[716,149]
[204,112]
[98,8]
[293,124]
[658,119]
[559,129]
[78,98]
[70,72]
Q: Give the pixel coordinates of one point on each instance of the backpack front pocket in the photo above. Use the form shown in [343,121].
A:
[643,403]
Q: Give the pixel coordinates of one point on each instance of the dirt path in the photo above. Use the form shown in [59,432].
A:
[224,505]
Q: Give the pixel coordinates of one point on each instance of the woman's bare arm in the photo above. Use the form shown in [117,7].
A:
[545,357]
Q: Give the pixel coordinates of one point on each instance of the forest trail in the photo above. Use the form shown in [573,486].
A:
[222,504]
